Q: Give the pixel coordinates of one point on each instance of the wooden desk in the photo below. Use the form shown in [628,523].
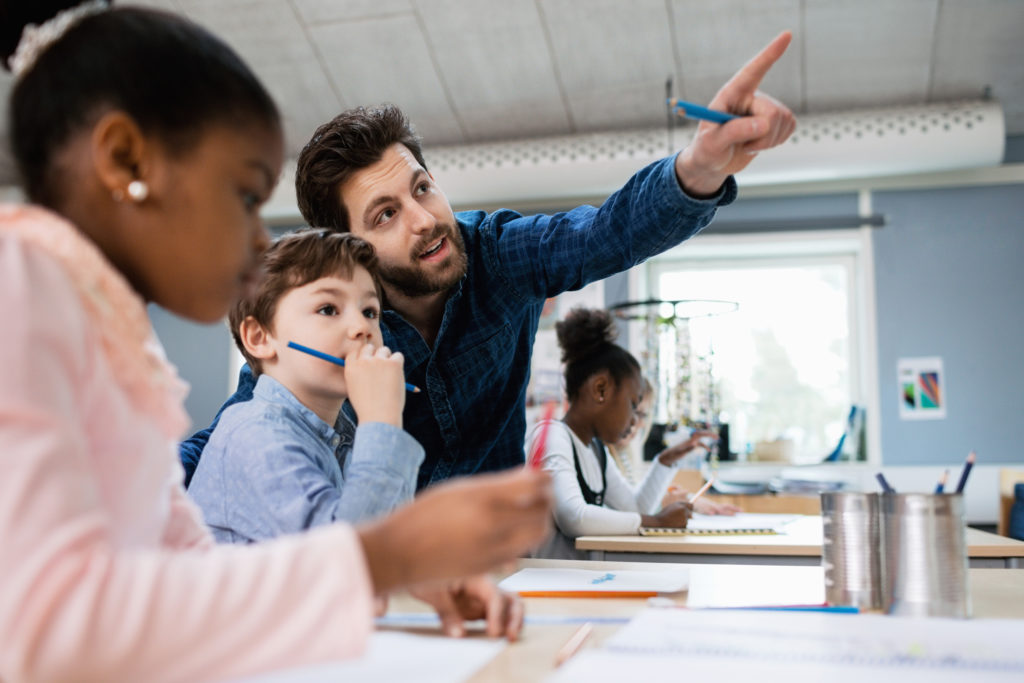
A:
[995,593]
[801,545]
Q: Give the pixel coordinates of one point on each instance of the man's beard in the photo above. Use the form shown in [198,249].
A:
[415,281]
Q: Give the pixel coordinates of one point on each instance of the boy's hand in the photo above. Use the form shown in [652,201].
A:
[459,528]
[375,381]
[477,597]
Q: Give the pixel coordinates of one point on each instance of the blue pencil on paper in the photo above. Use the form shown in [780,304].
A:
[334,359]
[835,609]
[695,111]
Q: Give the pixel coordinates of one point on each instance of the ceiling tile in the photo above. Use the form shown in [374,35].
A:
[387,60]
[714,40]
[612,59]
[496,67]
[324,11]
[868,53]
[982,43]
[272,40]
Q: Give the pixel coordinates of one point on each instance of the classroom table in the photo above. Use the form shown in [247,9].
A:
[995,593]
[800,545]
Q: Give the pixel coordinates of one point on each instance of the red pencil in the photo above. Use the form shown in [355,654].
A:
[538,446]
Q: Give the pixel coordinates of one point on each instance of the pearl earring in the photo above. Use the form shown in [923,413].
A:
[138,191]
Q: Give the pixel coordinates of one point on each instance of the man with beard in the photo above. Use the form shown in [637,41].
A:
[464,292]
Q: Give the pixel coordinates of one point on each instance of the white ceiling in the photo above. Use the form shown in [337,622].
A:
[481,70]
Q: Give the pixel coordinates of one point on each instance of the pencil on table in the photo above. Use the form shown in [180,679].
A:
[574,643]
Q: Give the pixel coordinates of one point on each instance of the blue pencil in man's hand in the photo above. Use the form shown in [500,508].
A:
[695,111]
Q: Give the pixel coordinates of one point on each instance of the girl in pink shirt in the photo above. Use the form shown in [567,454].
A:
[147,148]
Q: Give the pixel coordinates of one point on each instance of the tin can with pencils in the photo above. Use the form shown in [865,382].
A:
[924,550]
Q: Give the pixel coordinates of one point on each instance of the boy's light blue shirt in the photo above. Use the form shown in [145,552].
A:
[273,467]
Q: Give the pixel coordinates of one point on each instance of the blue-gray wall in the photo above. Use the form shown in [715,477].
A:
[202,354]
[948,279]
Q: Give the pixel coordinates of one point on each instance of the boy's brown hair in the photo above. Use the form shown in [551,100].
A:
[293,260]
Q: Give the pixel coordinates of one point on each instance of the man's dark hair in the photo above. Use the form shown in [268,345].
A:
[350,142]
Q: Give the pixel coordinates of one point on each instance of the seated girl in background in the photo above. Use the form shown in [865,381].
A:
[628,462]
[604,387]
[147,147]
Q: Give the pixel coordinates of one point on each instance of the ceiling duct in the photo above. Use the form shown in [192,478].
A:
[854,144]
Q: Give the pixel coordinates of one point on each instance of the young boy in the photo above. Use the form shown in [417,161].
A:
[292,458]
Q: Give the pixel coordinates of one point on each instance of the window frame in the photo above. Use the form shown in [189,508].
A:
[852,248]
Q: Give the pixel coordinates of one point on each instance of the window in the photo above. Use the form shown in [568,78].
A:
[786,365]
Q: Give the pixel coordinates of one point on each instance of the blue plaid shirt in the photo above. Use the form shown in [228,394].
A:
[471,415]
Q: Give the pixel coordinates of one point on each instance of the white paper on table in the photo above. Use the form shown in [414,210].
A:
[544,580]
[806,646]
[741,520]
[395,656]
[730,585]
[603,666]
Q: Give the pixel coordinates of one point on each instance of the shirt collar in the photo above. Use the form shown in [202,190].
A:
[270,390]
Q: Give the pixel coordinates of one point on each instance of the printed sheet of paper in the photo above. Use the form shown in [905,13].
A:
[813,646]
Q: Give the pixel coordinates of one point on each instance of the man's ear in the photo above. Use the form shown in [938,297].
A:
[121,154]
[256,339]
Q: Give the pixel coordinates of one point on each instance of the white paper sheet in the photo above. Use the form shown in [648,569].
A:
[394,656]
[730,585]
[741,520]
[539,579]
[742,645]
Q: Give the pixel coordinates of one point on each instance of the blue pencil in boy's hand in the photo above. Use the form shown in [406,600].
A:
[695,111]
[337,361]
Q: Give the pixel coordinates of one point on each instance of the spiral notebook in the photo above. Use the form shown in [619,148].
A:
[724,525]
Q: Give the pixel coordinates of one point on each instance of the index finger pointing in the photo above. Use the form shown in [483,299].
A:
[749,78]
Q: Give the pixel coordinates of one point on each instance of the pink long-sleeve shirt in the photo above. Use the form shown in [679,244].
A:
[106,570]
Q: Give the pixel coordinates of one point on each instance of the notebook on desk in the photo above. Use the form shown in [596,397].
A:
[726,525]
[669,531]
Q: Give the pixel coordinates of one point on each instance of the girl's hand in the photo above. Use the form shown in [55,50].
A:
[459,528]
[669,456]
[709,507]
[477,597]
[675,516]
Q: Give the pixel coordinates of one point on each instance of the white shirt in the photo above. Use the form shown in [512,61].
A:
[623,505]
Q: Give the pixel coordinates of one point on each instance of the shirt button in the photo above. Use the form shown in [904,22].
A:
[335,440]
